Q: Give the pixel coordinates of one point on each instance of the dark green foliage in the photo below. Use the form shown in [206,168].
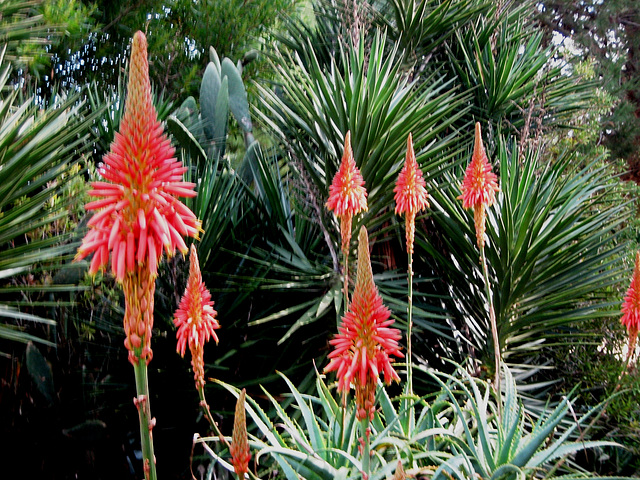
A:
[500,57]
[41,150]
[419,28]
[607,36]
[40,372]
[179,33]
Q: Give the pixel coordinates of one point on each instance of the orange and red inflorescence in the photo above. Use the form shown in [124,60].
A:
[410,193]
[138,213]
[631,307]
[366,340]
[195,319]
[479,186]
[347,195]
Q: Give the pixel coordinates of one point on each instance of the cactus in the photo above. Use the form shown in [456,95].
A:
[216,101]
[222,92]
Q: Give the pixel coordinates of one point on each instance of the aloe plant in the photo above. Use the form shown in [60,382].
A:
[457,433]
[511,446]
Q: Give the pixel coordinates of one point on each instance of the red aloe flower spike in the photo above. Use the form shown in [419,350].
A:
[347,196]
[410,193]
[479,186]
[631,309]
[139,213]
[366,340]
[239,448]
[195,319]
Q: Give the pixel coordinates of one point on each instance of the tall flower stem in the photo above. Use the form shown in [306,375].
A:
[494,327]
[409,328]
[207,413]
[366,448]
[146,422]
[410,197]
[345,260]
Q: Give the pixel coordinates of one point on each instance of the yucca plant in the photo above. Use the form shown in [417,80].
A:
[421,27]
[370,97]
[501,58]
[552,252]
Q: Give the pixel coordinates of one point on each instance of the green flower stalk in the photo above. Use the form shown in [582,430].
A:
[411,197]
[137,216]
[479,188]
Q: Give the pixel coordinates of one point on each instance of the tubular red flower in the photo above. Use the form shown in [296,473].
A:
[142,181]
[239,448]
[479,186]
[410,193]
[631,307]
[347,195]
[195,319]
[366,340]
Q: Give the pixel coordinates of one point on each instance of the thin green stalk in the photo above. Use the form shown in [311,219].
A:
[207,413]
[146,422]
[409,325]
[366,448]
[411,423]
[494,328]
